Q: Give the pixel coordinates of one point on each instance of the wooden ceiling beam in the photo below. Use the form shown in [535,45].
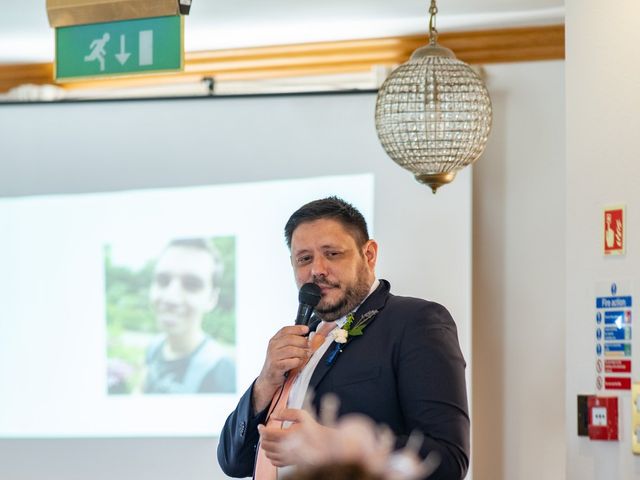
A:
[474,47]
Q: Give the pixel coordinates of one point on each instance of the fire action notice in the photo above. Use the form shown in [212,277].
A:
[613,315]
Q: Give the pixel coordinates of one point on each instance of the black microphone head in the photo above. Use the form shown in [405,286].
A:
[310,294]
[313,324]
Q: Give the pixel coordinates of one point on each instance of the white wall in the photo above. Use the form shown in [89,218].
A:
[518,279]
[603,104]
[518,338]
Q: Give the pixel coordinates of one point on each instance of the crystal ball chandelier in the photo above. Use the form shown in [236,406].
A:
[433,113]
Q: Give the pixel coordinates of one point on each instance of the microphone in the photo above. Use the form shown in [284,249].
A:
[308,297]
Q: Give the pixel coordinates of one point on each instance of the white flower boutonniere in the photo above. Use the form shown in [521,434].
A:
[339,335]
[351,328]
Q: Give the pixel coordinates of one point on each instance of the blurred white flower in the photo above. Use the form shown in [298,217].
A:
[356,439]
[340,335]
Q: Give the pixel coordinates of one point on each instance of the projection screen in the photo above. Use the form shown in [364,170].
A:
[91,195]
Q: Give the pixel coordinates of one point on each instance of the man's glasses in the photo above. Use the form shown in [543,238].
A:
[190,283]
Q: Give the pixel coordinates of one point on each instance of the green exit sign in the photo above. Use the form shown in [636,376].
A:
[127,47]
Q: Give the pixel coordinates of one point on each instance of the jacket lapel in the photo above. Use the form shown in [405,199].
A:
[375,301]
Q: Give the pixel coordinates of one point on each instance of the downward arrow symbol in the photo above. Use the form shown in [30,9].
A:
[122,56]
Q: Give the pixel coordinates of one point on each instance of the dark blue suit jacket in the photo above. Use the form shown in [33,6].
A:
[406,371]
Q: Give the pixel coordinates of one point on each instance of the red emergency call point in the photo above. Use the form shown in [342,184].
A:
[603,418]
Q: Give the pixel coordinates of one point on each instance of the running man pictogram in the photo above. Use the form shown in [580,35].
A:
[97,50]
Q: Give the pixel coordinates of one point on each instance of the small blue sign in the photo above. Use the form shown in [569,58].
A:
[617,349]
[617,318]
[615,333]
[599,349]
[613,302]
[614,288]
[599,334]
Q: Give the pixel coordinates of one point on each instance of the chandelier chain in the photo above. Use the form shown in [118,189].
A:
[433,31]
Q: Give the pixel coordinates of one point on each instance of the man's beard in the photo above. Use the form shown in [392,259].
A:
[353,296]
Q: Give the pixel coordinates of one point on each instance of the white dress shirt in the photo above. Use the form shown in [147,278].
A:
[300,385]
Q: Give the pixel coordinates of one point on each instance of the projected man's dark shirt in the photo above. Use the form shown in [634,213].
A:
[206,370]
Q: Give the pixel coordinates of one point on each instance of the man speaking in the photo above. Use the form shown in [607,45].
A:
[394,359]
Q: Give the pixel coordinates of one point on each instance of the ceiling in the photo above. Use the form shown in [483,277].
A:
[25,35]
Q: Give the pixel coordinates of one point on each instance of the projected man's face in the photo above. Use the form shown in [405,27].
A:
[182,290]
[324,252]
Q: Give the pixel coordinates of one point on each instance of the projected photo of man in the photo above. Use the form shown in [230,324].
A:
[185,287]
[182,343]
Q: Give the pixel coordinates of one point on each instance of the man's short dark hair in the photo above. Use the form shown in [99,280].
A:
[207,247]
[333,208]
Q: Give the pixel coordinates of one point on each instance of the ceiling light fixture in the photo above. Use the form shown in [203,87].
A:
[433,113]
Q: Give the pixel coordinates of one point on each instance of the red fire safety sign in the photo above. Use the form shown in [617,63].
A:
[614,230]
